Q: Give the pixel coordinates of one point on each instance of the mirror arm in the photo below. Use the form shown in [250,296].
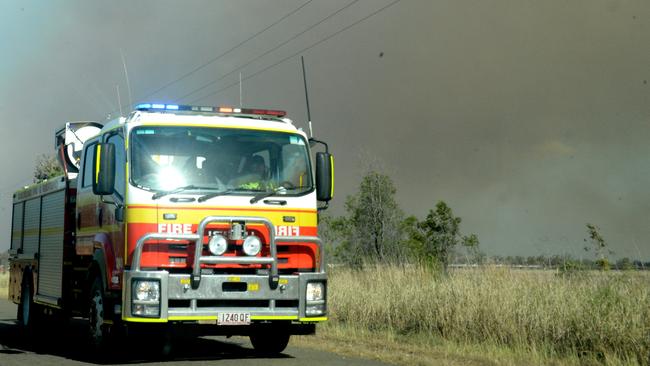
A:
[109,202]
[118,206]
[313,141]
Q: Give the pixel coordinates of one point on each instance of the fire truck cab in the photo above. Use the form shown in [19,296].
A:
[182,215]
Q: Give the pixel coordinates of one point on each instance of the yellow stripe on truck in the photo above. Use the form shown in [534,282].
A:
[274,317]
[307,320]
[46,231]
[148,215]
[204,317]
[97,162]
[145,320]
[332,175]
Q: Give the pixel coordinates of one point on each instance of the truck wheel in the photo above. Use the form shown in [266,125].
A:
[270,340]
[26,310]
[96,325]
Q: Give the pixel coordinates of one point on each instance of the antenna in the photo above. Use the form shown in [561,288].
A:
[240,91]
[119,102]
[128,84]
[304,79]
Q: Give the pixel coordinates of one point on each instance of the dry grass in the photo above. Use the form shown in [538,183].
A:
[4,285]
[592,316]
[411,315]
[417,349]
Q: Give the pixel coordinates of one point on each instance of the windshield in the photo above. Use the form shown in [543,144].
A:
[219,159]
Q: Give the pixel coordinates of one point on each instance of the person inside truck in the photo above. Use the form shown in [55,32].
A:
[253,176]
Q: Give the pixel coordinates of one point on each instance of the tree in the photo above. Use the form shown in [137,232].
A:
[624,264]
[47,166]
[441,230]
[413,236]
[373,230]
[598,246]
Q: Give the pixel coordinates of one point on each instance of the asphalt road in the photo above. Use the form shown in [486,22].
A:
[63,345]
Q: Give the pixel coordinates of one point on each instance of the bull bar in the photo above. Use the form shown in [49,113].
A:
[175,286]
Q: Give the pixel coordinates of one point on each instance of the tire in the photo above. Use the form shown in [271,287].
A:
[97,328]
[270,341]
[26,309]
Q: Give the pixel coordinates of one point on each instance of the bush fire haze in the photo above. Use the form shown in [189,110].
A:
[529,119]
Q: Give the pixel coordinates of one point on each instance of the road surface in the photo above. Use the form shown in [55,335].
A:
[58,345]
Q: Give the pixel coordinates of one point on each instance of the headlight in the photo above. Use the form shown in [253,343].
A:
[315,297]
[150,311]
[144,290]
[218,244]
[146,298]
[252,245]
[315,310]
[315,291]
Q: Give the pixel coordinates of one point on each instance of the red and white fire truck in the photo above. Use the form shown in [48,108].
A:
[183,215]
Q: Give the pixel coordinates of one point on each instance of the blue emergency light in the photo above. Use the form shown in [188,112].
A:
[156,106]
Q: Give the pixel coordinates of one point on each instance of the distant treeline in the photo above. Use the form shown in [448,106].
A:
[554,262]
[375,229]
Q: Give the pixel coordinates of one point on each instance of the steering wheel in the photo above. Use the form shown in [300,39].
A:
[288,185]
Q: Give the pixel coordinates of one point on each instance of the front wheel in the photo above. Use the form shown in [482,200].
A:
[270,340]
[96,315]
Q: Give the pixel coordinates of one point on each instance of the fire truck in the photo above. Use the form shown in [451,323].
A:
[177,215]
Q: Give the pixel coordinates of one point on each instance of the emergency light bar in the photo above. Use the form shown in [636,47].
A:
[154,107]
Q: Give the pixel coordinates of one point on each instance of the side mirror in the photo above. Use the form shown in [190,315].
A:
[324,176]
[104,169]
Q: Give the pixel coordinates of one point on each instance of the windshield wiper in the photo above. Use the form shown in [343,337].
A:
[176,190]
[222,193]
[264,195]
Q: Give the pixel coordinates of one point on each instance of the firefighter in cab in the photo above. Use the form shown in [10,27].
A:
[254,175]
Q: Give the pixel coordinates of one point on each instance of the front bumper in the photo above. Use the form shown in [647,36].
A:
[200,297]
[253,294]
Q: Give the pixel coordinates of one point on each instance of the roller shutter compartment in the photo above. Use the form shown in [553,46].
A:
[51,254]
[31,225]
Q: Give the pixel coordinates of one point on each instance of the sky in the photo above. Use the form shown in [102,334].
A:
[530,119]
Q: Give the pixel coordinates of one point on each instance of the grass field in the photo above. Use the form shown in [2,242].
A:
[498,315]
[489,316]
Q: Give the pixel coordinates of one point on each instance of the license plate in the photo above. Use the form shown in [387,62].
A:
[234,319]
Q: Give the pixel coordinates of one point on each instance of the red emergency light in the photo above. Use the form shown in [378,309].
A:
[261,112]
